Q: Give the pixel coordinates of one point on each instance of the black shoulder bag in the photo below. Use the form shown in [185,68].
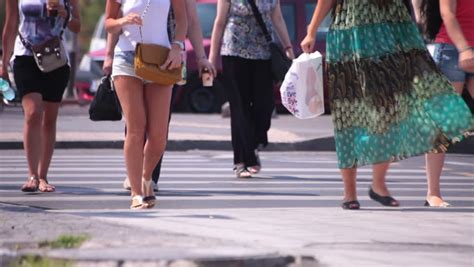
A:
[105,106]
[279,61]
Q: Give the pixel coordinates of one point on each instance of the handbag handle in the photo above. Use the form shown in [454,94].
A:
[67,4]
[261,23]
[143,18]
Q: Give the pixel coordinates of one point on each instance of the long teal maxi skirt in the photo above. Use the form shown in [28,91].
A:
[388,99]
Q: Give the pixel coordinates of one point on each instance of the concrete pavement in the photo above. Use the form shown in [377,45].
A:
[206,217]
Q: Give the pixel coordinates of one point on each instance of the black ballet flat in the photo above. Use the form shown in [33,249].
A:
[351,205]
[384,200]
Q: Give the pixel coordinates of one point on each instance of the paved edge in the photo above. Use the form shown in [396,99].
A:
[318,144]
[263,260]
[56,258]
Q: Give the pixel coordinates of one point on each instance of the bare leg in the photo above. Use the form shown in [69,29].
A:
[349,176]
[130,93]
[379,191]
[33,109]
[434,167]
[157,103]
[379,171]
[459,86]
[470,86]
[48,139]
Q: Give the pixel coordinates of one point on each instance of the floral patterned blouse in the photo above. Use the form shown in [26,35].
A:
[243,37]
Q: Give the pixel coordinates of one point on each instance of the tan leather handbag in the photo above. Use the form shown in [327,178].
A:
[148,60]
[150,57]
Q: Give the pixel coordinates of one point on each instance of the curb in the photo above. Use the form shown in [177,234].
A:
[318,144]
[166,258]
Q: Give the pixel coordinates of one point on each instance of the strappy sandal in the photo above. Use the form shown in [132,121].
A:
[351,205]
[31,184]
[241,171]
[137,203]
[384,200]
[45,187]
[149,199]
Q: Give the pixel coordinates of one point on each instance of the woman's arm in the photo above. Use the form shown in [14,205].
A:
[466,54]
[218,31]
[195,36]
[322,9]
[179,10]
[114,22]
[282,31]
[448,14]
[112,39]
[10,30]
[174,59]
[75,21]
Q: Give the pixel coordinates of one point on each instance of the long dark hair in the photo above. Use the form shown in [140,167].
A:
[430,18]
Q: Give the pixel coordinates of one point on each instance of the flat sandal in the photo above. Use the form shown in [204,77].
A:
[46,187]
[31,184]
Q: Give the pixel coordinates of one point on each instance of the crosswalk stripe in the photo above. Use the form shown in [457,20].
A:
[209,169]
[83,179]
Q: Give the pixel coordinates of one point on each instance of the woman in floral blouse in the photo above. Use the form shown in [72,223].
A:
[247,71]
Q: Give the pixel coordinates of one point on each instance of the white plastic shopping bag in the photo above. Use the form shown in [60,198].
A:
[302,89]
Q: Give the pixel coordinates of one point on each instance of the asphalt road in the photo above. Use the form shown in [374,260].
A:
[292,208]
[92,179]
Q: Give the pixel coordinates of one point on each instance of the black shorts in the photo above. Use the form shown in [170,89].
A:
[30,79]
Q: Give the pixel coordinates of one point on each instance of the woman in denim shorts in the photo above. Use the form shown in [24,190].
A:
[450,23]
[145,104]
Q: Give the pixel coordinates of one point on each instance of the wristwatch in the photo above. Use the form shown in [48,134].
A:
[179,43]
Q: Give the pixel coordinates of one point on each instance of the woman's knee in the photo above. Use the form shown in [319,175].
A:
[157,142]
[33,116]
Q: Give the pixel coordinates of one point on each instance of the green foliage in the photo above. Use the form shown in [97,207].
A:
[91,10]
[65,241]
[38,261]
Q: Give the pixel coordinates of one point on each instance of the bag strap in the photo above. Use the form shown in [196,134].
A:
[143,17]
[67,4]
[261,23]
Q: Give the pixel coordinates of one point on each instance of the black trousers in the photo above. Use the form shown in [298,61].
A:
[249,88]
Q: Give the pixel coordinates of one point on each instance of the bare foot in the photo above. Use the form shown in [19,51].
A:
[45,187]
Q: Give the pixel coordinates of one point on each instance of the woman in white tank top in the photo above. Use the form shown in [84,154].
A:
[145,104]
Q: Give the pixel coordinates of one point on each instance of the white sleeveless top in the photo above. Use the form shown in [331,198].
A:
[154,28]
[35,25]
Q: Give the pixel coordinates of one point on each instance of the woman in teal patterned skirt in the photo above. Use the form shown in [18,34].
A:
[388,99]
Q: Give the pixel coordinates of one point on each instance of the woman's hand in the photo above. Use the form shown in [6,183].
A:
[203,63]
[174,59]
[57,8]
[466,60]
[107,66]
[289,53]
[4,74]
[131,19]
[307,45]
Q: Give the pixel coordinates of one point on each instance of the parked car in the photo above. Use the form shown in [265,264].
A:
[194,97]
[88,76]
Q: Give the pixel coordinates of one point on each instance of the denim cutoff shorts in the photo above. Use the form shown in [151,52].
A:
[446,57]
[123,65]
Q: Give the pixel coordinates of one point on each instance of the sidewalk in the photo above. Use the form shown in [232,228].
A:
[187,132]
